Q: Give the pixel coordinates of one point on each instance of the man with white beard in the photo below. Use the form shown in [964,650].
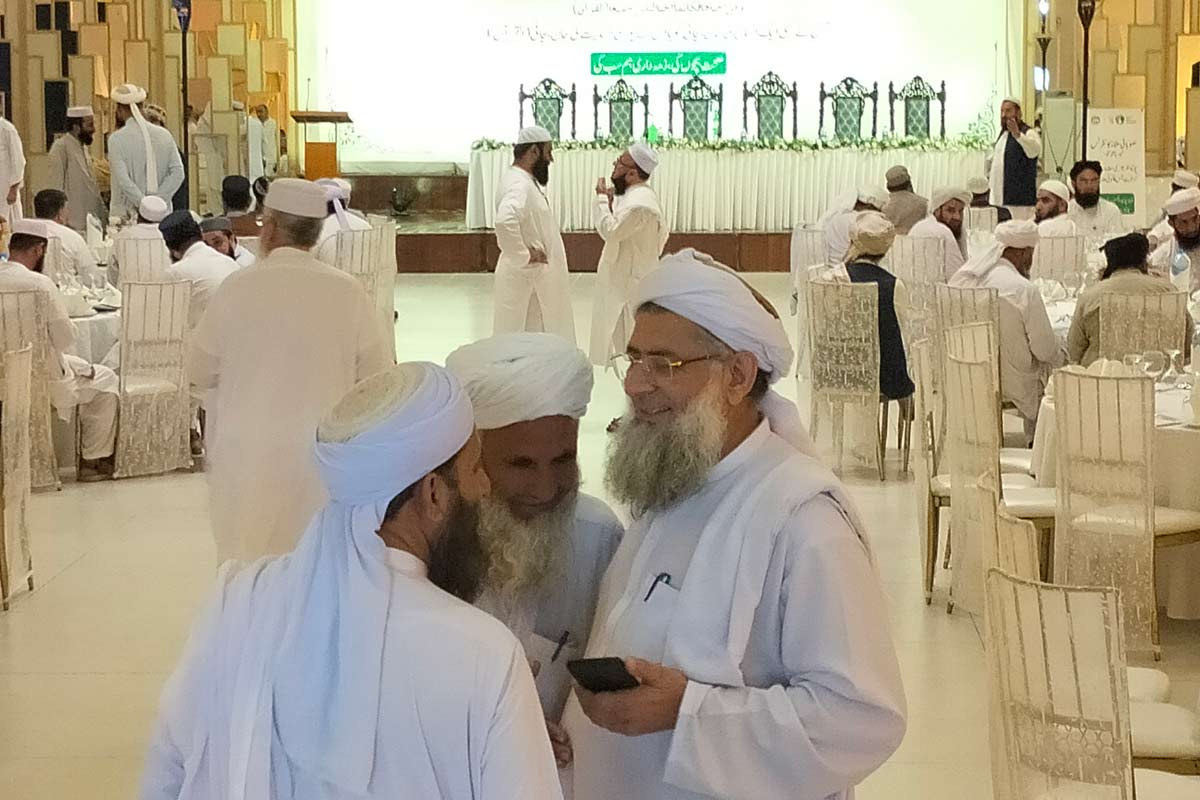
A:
[549,543]
[743,597]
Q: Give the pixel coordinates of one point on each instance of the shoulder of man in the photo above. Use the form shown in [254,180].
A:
[594,511]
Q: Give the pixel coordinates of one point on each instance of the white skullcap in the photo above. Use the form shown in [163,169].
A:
[533,134]
[978,185]
[517,377]
[1056,188]
[873,196]
[127,94]
[80,112]
[298,197]
[871,234]
[1185,180]
[1016,101]
[1182,201]
[1020,234]
[153,208]
[238,105]
[643,156]
[944,194]
[31,227]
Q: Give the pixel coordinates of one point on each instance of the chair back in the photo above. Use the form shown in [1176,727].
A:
[1009,544]
[770,96]
[16,552]
[54,266]
[917,96]
[365,255]
[844,320]
[981,219]
[920,264]
[549,100]
[23,322]
[849,100]
[141,260]
[1136,323]
[385,287]
[1104,530]
[620,99]
[1060,258]
[696,99]
[1057,668]
[154,322]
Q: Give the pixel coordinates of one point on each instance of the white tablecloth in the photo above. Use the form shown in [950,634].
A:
[1176,484]
[701,190]
[96,336]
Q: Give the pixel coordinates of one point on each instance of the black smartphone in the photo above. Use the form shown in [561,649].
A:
[602,674]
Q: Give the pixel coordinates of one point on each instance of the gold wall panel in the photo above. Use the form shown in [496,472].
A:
[1104,70]
[206,15]
[1146,12]
[254,76]
[229,124]
[217,70]
[231,39]
[137,65]
[45,46]
[34,137]
[93,40]
[83,80]
[1129,91]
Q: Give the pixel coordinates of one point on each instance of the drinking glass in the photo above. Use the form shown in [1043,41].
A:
[1154,364]
[1133,361]
[1174,368]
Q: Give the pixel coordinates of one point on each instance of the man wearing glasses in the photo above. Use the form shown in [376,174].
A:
[743,596]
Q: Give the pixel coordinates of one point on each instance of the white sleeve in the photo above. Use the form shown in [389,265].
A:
[841,712]
[16,152]
[1043,343]
[508,227]
[1031,143]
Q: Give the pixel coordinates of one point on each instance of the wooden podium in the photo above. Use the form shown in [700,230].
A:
[320,158]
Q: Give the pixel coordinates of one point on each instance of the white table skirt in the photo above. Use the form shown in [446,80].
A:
[96,336]
[1176,484]
[758,190]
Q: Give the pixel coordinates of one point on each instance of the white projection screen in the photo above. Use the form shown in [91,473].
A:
[423,80]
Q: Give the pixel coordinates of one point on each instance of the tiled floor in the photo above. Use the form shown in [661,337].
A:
[122,567]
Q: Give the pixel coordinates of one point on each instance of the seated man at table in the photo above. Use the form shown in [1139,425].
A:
[75,383]
[194,261]
[1093,216]
[1173,258]
[1126,273]
[948,205]
[1053,200]
[981,197]
[904,207]
[1162,231]
[1029,349]
[151,211]
[50,206]
[219,235]
[240,205]
[837,225]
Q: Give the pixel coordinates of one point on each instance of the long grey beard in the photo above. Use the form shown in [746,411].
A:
[524,555]
[652,467]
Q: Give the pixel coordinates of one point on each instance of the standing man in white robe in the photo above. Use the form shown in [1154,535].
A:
[270,139]
[12,171]
[629,220]
[255,164]
[1013,164]
[548,543]
[1053,198]
[354,666]
[70,169]
[143,157]
[533,290]
[948,204]
[743,597]
[337,219]
[279,343]
[76,258]
[1094,217]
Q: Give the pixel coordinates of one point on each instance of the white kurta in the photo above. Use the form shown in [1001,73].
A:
[458,715]
[254,148]
[205,269]
[1030,141]
[954,250]
[1062,225]
[69,169]
[279,345]
[1102,221]
[1029,348]
[243,257]
[634,235]
[12,169]
[820,703]
[77,257]
[270,147]
[127,160]
[530,297]
[1161,233]
[567,606]
[326,246]
[837,237]
[1160,265]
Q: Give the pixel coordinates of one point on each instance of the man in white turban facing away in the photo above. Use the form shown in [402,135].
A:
[629,220]
[355,666]
[338,219]
[12,171]
[837,225]
[532,290]
[1029,348]
[1162,231]
[743,597]
[1174,257]
[1051,211]
[143,157]
[548,543]
[279,343]
[948,205]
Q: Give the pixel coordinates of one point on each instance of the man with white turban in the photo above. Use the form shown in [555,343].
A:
[1174,256]
[532,291]
[1029,348]
[355,666]
[837,225]
[1162,231]
[70,169]
[549,544]
[743,597]
[1051,211]
[279,343]
[1013,164]
[948,205]
[1094,217]
[339,218]
[629,220]
[143,157]
[12,171]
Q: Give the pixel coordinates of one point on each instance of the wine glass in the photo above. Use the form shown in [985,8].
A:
[1174,368]
[1154,364]
[1073,282]
[1133,363]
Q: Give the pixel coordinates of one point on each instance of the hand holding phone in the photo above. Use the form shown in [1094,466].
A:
[602,674]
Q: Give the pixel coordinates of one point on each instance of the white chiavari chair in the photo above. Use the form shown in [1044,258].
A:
[920,264]
[807,251]
[983,219]
[1060,258]
[23,321]
[141,260]
[1137,323]
[365,254]
[16,550]
[385,291]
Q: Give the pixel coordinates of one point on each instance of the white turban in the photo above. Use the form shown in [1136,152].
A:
[129,95]
[643,156]
[534,134]
[873,196]
[978,185]
[1185,180]
[336,194]
[1017,234]
[517,377]
[1182,201]
[698,288]
[944,194]
[1056,188]
[1021,234]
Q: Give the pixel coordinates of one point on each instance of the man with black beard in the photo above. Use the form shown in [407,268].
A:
[355,666]
[532,291]
[69,169]
[1174,258]
[1094,216]
[743,596]
[947,205]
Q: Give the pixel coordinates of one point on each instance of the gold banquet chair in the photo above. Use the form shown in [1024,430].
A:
[23,318]
[16,551]
[1138,323]
[370,257]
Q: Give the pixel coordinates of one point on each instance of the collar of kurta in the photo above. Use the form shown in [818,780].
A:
[742,453]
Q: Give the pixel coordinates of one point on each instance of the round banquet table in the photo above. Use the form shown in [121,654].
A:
[1176,484]
[711,190]
[96,336]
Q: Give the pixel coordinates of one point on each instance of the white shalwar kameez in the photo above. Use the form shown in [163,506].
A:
[254,148]
[634,234]
[270,146]
[1102,221]
[12,169]
[280,342]
[837,237]
[530,297]
[77,257]
[1062,225]
[127,159]
[206,270]
[954,250]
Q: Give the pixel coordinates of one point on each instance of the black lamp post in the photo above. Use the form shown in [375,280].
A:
[1043,40]
[1087,12]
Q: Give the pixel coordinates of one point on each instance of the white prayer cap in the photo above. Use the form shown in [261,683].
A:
[873,196]
[1019,234]
[298,197]
[153,208]
[1016,101]
[128,94]
[335,188]
[238,105]
[978,185]
[31,227]
[517,377]
[643,156]
[1056,188]
[1185,180]
[533,135]
[871,234]
[944,194]
[1182,201]
[80,112]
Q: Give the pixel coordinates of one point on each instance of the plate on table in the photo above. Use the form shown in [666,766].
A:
[105,307]
[91,312]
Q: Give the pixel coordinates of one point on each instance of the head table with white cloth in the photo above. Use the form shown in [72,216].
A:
[722,190]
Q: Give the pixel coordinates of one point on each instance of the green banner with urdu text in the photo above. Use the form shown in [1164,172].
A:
[674,63]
